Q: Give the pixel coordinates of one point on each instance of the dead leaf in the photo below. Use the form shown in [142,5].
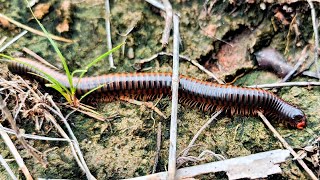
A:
[64,9]
[210,30]
[234,55]
[63,27]
[5,23]
[64,12]
[280,17]
[41,10]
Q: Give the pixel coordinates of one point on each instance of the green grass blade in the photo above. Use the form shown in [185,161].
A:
[63,60]
[44,76]
[52,81]
[78,71]
[97,60]
[101,57]
[92,90]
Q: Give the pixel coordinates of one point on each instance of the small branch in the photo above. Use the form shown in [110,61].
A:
[13,40]
[49,117]
[185,152]
[7,168]
[11,146]
[156,4]
[39,58]
[286,84]
[316,36]
[15,154]
[3,39]
[175,85]
[194,62]
[301,60]
[40,33]
[287,146]
[75,141]
[13,124]
[108,31]
[156,158]
[31,136]
[168,23]
[147,104]
[254,166]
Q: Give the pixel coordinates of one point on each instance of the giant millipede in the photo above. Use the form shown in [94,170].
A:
[207,96]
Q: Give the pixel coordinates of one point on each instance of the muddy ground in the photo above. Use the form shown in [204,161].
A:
[221,35]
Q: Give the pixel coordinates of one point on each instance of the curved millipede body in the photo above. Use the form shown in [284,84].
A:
[206,95]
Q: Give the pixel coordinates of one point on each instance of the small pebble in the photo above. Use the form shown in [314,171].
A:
[130,53]
[263,6]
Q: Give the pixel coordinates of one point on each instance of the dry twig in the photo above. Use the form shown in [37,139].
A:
[316,36]
[194,62]
[175,85]
[287,146]
[156,4]
[7,168]
[13,124]
[168,22]
[108,29]
[285,84]
[13,40]
[147,104]
[301,60]
[57,111]
[156,158]
[254,166]
[2,40]
[13,149]
[40,33]
[186,150]
[37,57]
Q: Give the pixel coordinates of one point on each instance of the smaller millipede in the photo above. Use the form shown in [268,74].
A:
[207,96]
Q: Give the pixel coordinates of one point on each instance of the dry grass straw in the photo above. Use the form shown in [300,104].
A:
[22,101]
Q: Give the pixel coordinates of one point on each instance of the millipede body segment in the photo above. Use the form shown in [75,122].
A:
[206,95]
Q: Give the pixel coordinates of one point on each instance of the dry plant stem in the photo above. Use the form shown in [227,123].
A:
[63,134]
[73,144]
[168,23]
[286,50]
[31,89]
[175,85]
[108,29]
[147,104]
[39,58]
[301,60]
[185,152]
[13,40]
[2,40]
[21,104]
[40,33]
[86,112]
[316,36]
[30,136]
[286,84]
[73,137]
[156,158]
[15,154]
[287,146]
[7,168]
[13,124]
[156,4]
[184,58]
[11,146]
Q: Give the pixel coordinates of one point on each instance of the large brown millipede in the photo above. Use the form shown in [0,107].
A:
[206,95]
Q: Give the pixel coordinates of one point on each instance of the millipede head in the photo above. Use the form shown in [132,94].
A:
[297,119]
